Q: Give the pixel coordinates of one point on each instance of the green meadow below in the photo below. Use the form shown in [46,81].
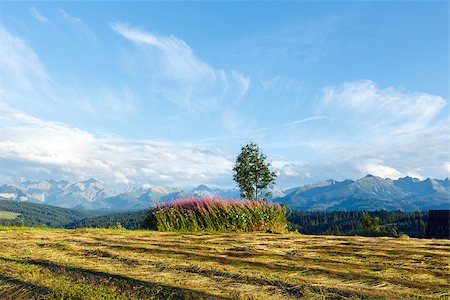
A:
[139,264]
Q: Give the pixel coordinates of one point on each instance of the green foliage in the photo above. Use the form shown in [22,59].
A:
[252,173]
[218,215]
[391,223]
[127,220]
[370,223]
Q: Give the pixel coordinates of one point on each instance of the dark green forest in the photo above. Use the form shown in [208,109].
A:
[391,223]
[332,223]
[40,215]
[412,224]
[128,220]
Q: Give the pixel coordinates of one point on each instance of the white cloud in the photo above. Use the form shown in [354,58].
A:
[381,171]
[446,167]
[34,148]
[38,16]
[81,29]
[365,104]
[290,170]
[179,61]
[177,75]
[378,168]
[388,132]
[19,65]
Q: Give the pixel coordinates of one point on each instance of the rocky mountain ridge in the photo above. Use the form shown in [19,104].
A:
[368,193]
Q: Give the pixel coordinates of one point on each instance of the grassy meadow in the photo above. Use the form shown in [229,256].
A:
[125,264]
[7,215]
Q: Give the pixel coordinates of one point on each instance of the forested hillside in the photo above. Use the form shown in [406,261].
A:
[332,223]
[128,219]
[39,215]
[349,222]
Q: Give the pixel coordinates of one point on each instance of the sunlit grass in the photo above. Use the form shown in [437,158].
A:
[121,264]
[7,215]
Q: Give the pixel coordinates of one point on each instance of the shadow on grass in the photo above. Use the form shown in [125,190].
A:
[289,288]
[378,251]
[345,276]
[383,265]
[12,288]
[296,290]
[129,286]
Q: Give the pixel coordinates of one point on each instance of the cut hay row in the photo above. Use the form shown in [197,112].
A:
[120,264]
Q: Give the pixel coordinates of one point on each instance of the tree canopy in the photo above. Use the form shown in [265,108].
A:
[252,174]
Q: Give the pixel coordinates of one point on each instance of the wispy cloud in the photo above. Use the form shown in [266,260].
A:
[179,60]
[282,83]
[83,32]
[373,107]
[21,70]
[39,16]
[299,43]
[178,75]
[287,124]
[26,83]
[239,130]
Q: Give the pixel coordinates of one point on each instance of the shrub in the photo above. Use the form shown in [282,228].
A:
[215,214]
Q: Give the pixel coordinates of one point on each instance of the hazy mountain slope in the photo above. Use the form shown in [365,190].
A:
[371,193]
[84,194]
[368,193]
[202,191]
[9,192]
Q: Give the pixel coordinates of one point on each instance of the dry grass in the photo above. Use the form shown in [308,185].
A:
[120,264]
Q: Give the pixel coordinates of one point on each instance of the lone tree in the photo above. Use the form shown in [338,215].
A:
[252,173]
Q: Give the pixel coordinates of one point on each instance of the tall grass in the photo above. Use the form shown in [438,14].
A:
[215,214]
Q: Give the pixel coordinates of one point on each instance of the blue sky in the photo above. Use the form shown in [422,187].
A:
[166,93]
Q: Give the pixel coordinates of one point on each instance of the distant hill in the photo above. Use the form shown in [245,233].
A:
[39,215]
[368,193]
[128,220]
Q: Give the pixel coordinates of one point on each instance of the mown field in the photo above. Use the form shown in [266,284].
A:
[121,264]
[7,215]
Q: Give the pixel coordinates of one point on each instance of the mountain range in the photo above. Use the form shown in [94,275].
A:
[368,193]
